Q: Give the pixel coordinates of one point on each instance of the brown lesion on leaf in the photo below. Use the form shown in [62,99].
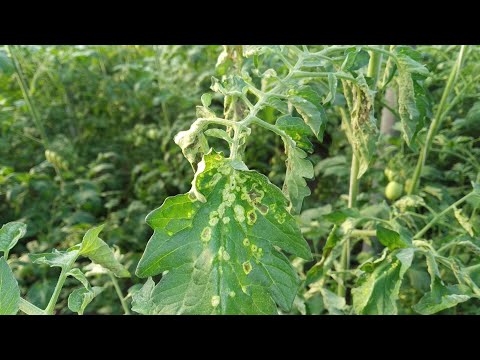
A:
[251,217]
[247,267]
[262,208]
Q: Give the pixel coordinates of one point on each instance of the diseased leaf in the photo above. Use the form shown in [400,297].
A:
[297,130]
[250,50]
[308,104]
[361,128]
[9,290]
[392,239]
[10,233]
[412,103]
[298,167]
[99,252]
[221,255]
[193,143]
[377,292]
[463,221]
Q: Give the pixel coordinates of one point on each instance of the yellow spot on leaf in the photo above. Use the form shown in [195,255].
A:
[215,300]
[239,213]
[206,234]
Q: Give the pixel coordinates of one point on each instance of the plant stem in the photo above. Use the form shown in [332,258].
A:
[23,86]
[437,120]
[56,293]
[352,199]
[119,293]
[374,64]
[30,309]
[58,288]
[438,216]
[363,232]
[353,190]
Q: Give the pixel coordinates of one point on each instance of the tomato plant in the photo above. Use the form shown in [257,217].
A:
[314,180]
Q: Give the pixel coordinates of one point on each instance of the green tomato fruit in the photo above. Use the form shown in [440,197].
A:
[393,190]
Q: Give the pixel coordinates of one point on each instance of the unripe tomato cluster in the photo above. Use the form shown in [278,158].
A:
[394,188]
[56,160]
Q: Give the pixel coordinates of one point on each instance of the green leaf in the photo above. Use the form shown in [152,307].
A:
[355,59]
[339,216]
[463,221]
[62,259]
[9,290]
[377,292]
[298,167]
[6,66]
[441,297]
[332,88]
[392,239]
[297,130]
[206,99]
[220,134]
[308,104]
[334,304]
[278,104]
[10,233]
[142,300]
[79,299]
[233,85]
[79,275]
[222,255]
[361,128]
[412,103]
[99,252]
